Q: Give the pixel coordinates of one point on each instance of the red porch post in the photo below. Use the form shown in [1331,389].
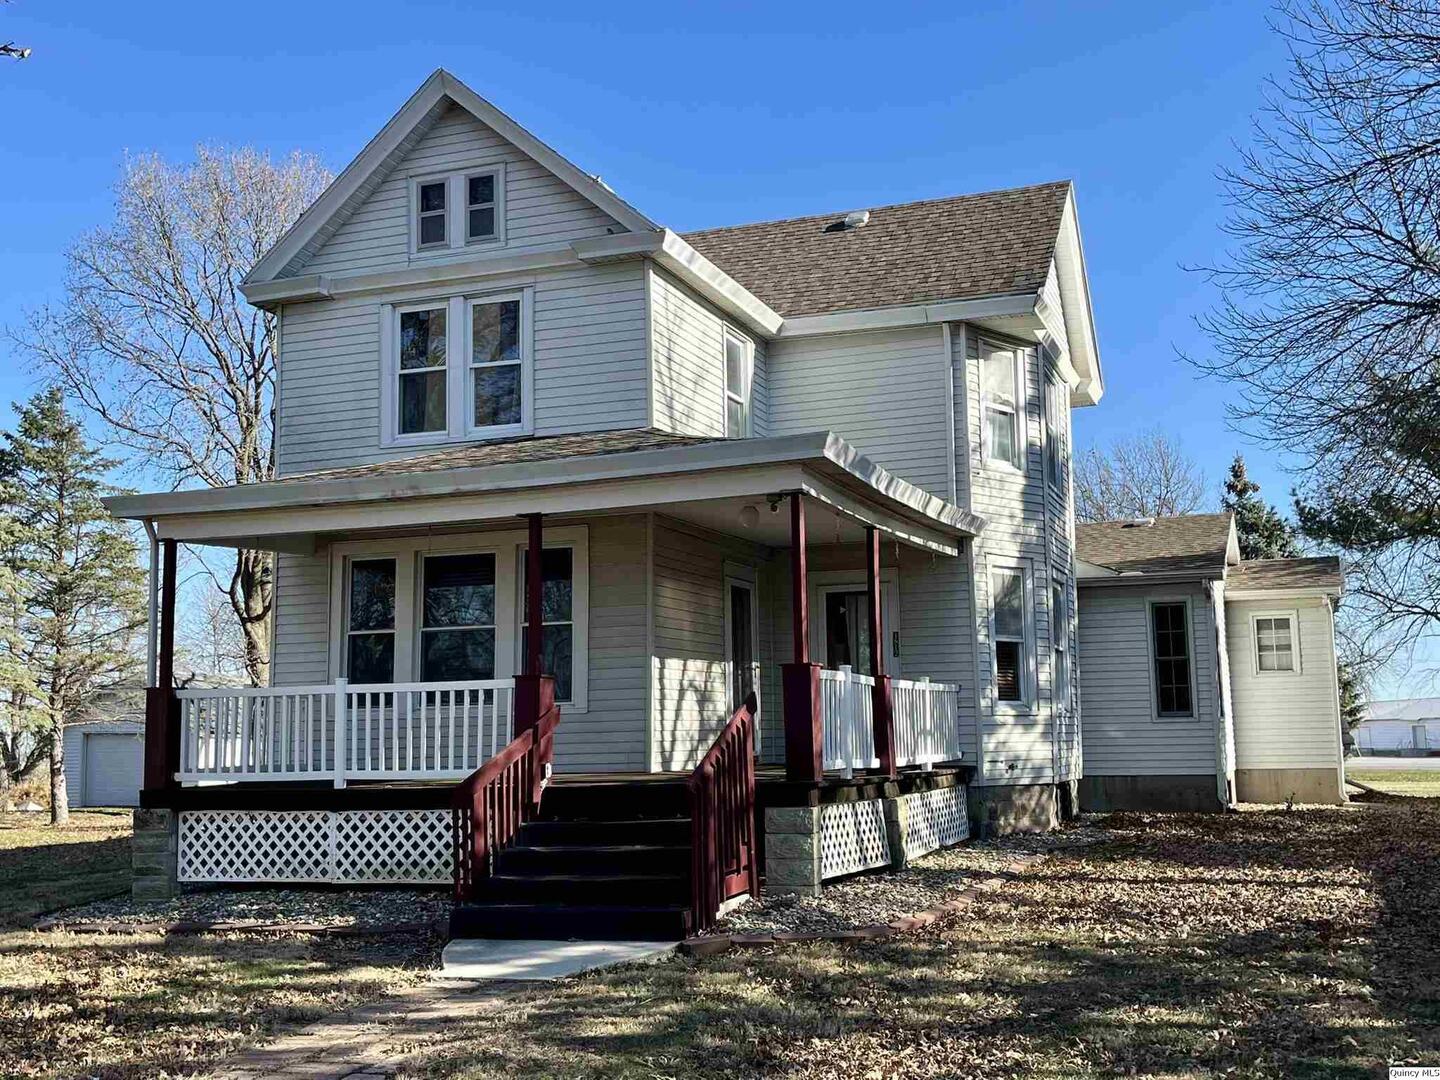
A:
[162,727]
[534,691]
[884,719]
[800,680]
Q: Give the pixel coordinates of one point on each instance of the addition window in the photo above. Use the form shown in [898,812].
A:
[457,628]
[1010,629]
[1170,634]
[557,617]
[423,347]
[430,214]
[1060,635]
[1001,397]
[457,368]
[739,373]
[481,205]
[1275,643]
[370,628]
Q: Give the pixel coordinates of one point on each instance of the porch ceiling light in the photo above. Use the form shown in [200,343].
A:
[749,516]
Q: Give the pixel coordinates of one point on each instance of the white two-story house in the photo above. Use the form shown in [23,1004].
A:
[764,459]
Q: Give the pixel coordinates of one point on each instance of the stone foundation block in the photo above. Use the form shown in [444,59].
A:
[792,850]
[154,852]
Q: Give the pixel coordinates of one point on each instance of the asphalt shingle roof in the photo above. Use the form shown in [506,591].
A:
[1192,542]
[964,247]
[511,452]
[1322,572]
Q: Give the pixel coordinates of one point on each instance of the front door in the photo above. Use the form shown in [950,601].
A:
[840,627]
[742,634]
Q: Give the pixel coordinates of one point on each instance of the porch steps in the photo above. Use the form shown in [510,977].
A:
[605,861]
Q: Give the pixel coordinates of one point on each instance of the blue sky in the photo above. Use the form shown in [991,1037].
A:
[701,115]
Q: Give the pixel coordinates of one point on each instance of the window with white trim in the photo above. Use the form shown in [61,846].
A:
[370,621]
[1170,652]
[1002,403]
[1275,643]
[457,617]
[457,368]
[739,374]
[1060,637]
[452,210]
[1010,632]
[1056,408]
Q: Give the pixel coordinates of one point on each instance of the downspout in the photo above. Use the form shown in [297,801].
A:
[152,613]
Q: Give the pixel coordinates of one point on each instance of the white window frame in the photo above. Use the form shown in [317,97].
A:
[1056,433]
[505,545]
[744,397]
[498,236]
[1060,642]
[457,217]
[1293,616]
[825,582]
[1193,715]
[460,379]
[1017,413]
[345,630]
[419,614]
[579,610]
[742,576]
[1026,705]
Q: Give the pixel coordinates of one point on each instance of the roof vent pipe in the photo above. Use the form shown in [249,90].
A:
[1140,523]
[855,219]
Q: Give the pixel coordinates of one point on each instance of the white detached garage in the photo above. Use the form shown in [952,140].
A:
[103,762]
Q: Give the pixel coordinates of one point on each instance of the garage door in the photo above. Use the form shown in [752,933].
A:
[112,770]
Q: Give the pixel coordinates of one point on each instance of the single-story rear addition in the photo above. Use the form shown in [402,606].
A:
[1206,681]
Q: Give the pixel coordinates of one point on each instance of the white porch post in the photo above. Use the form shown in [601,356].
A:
[342,722]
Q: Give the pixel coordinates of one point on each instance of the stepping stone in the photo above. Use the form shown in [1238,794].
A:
[488,958]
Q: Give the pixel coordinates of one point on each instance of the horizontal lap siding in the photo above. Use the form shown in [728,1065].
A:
[590,367]
[935,642]
[302,620]
[1288,721]
[884,392]
[540,209]
[1123,737]
[691,692]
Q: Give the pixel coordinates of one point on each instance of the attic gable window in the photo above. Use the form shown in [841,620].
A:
[450,211]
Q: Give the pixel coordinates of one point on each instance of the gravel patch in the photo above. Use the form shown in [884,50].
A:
[237,908]
[879,897]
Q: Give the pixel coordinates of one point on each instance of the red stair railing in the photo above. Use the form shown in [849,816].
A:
[496,799]
[721,792]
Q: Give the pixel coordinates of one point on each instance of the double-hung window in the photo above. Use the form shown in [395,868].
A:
[1002,403]
[370,627]
[1170,645]
[739,373]
[431,213]
[457,624]
[1056,408]
[1010,630]
[1275,649]
[557,617]
[458,368]
[481,205]
[1060,637]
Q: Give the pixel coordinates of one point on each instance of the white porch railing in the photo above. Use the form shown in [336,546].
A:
[847,712]
[432,731]
[925,714]
[927,721]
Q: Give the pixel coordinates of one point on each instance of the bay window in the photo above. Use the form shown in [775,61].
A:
[457,368]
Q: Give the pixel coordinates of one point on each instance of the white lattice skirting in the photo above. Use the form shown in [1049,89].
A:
[853,837]
[935,819]
[358,847]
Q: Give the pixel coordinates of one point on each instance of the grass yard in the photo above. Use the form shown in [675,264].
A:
[44,867]
[1420,783]
[1257,944]
[116,1006]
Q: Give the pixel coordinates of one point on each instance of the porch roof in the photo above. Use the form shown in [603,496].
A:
[567,474]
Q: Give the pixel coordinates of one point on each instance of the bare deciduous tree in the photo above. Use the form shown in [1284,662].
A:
[1330,321]
[1144,475]
[156,340]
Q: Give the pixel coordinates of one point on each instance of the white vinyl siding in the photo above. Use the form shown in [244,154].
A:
[589,360]
[1123,736]
[884,392]
[539,209]
[1290,719]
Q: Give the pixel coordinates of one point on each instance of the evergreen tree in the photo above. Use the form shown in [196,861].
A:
[1261,531]
[79,586]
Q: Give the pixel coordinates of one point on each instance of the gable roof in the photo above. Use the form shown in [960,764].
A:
[1321,572]
[967,246]
[382,153]
[1407,709]
[1190,544]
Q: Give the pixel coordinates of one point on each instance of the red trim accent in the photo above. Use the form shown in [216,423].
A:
[721,793]
[534,591]
[534,698]
[884,716]
[799,587]
[804,737]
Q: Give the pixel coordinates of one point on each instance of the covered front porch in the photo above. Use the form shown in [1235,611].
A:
[674,582]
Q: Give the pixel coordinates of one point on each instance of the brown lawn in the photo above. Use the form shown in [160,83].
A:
[1258,944]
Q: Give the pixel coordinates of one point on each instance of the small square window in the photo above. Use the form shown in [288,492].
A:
[1274,644]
